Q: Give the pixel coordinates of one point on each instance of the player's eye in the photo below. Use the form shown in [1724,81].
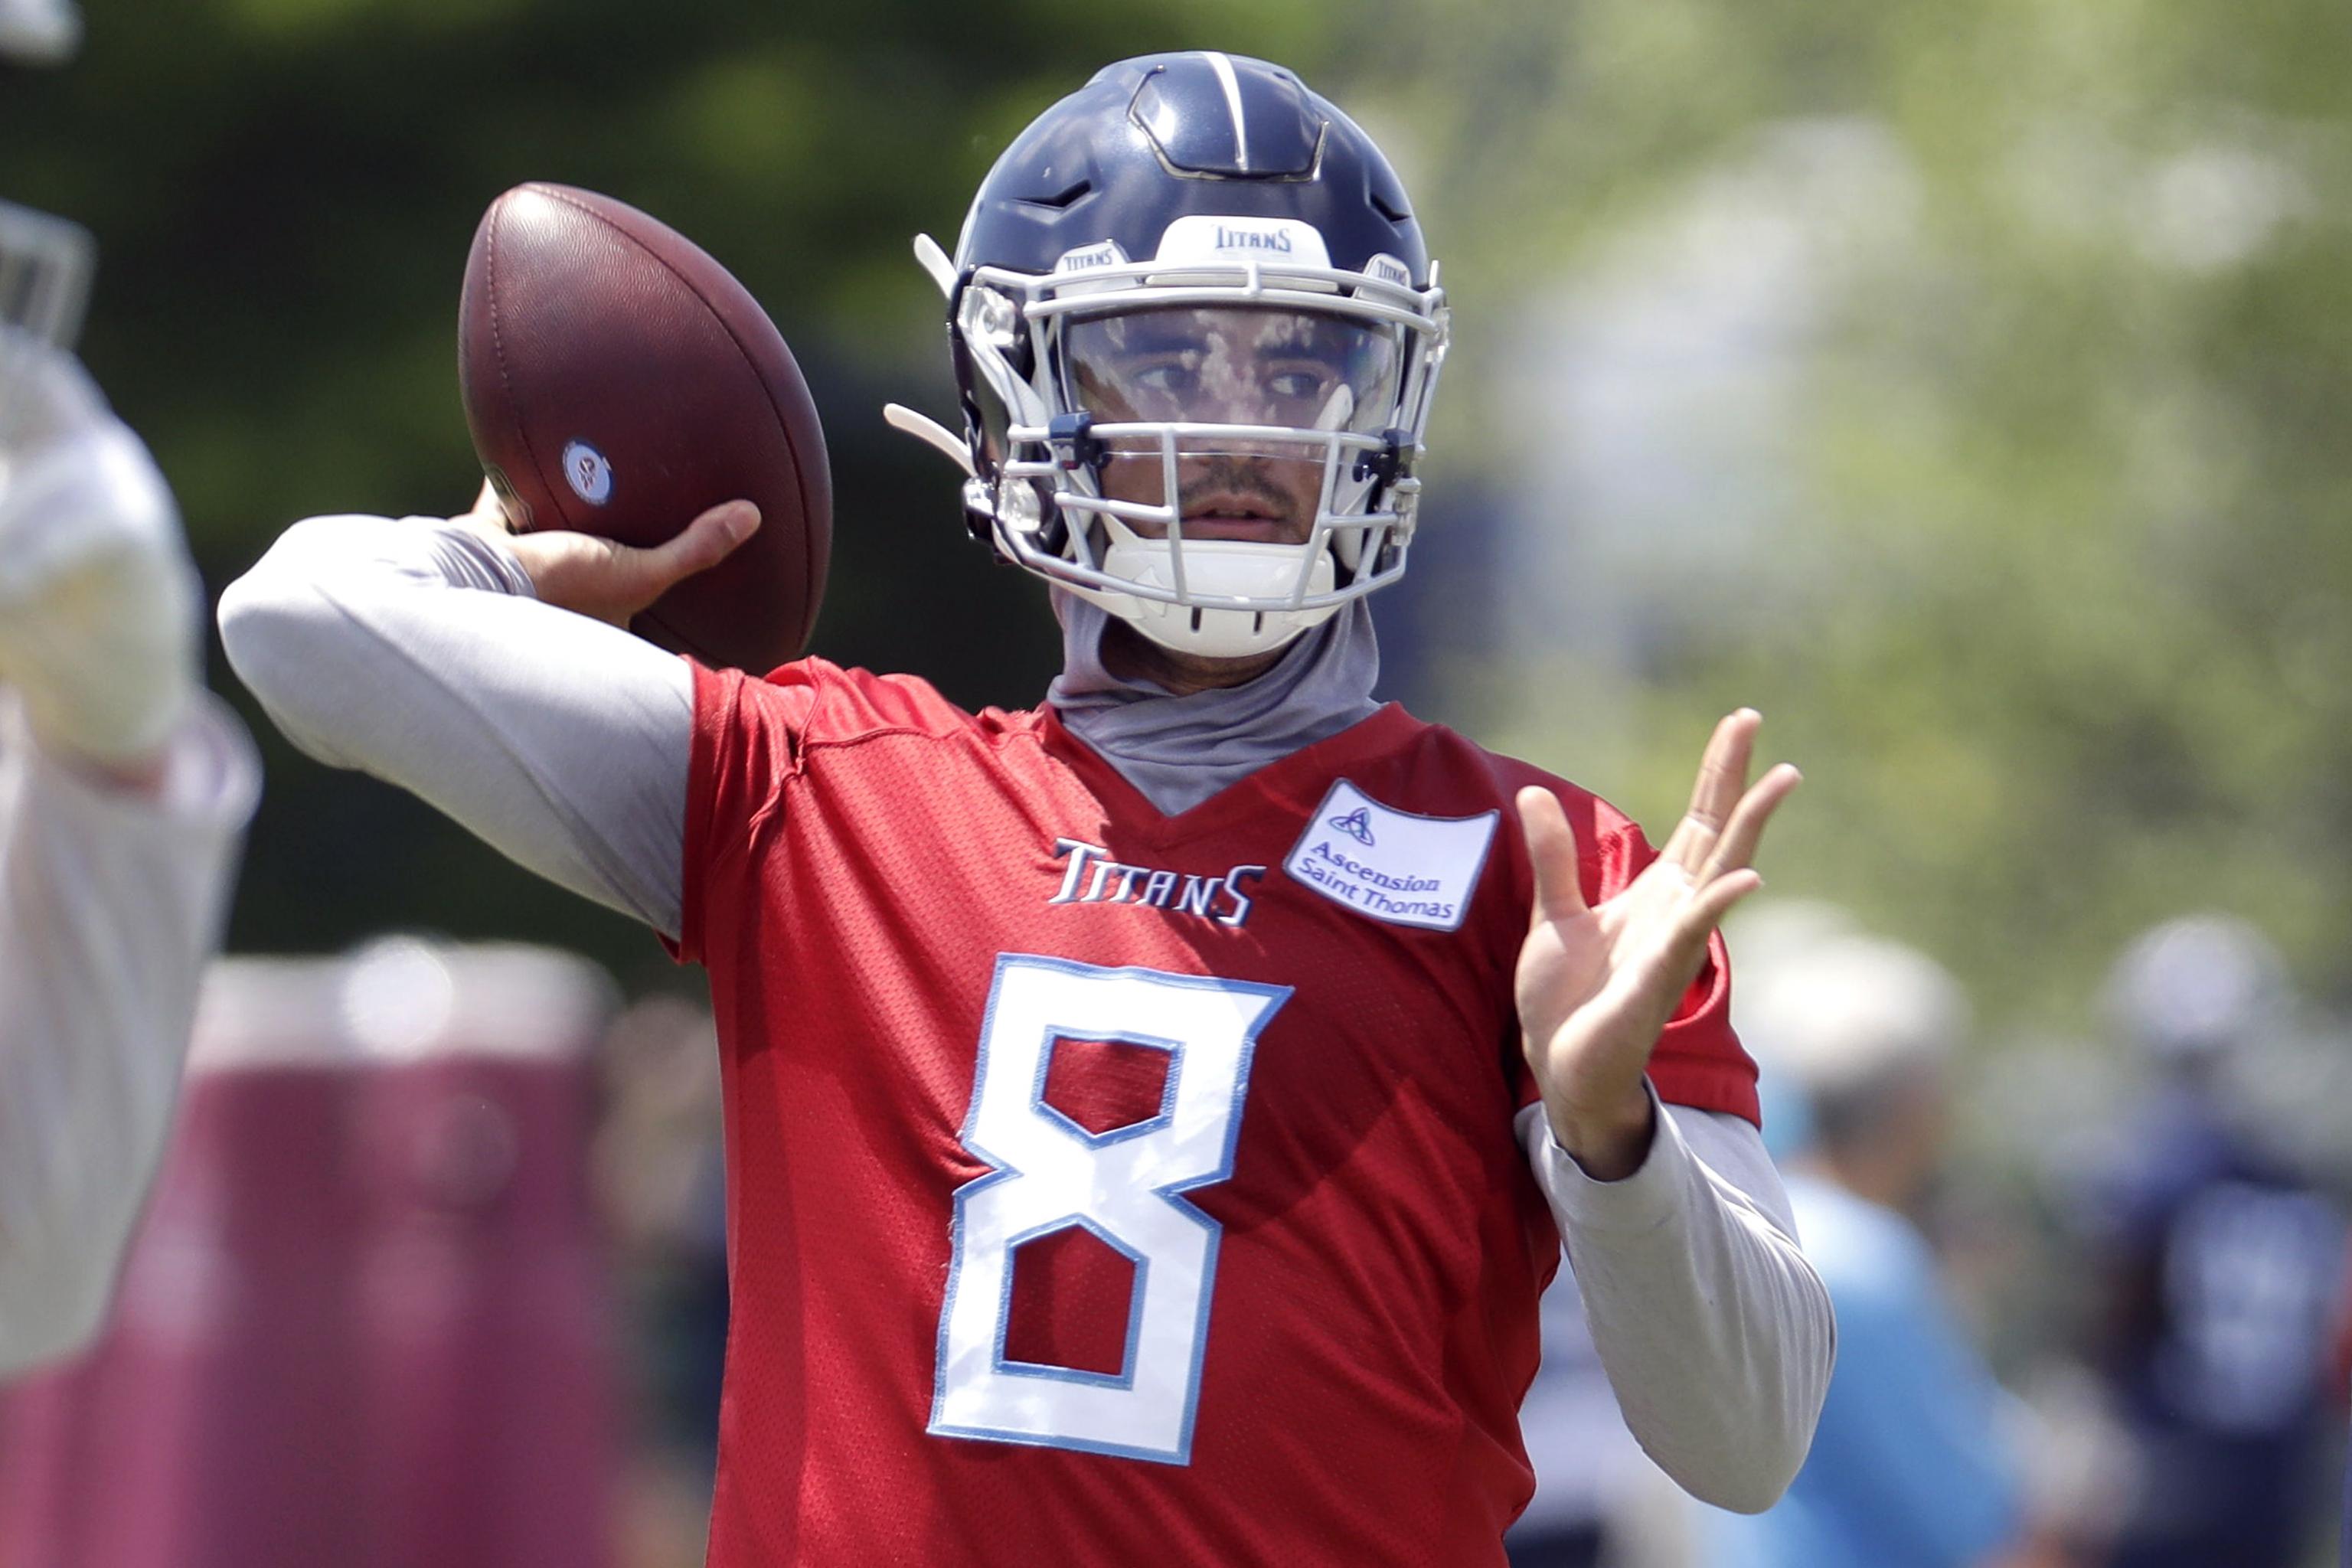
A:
[1168,378]
[1300,385]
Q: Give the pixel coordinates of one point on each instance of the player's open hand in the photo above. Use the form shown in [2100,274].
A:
[1597,984]
[607,580]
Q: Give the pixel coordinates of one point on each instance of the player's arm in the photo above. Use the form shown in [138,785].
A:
[1716,1333]
[124,790]
[446,658]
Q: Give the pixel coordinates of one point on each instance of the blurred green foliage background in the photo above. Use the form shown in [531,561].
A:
[2041,574]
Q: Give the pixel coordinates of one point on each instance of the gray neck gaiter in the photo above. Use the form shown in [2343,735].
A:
[1179,750]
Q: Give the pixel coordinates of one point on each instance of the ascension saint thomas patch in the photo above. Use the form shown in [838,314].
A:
[1391,865]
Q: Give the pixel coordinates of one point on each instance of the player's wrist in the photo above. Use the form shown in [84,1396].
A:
[1608,1141]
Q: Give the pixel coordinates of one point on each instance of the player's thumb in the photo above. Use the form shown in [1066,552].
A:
[700,545]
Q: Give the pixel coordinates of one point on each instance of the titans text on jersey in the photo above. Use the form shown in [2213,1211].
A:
[1095,876]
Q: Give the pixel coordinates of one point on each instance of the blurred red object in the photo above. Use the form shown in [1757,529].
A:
[367,1321]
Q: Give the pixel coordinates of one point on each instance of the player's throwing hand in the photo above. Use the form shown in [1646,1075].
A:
[612,581]
[1596,985]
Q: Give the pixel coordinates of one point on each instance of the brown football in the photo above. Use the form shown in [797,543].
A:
[619,382]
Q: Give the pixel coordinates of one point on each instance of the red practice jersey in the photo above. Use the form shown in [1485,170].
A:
[1106,1187]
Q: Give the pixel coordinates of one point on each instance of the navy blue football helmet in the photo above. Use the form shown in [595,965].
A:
[1192,267]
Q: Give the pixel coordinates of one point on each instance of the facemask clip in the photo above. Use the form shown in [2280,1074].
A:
[1073,444]
[1383,466]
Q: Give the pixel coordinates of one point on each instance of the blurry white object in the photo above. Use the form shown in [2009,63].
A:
[40,32]
[2194,987]
[110,905]
[1840,1010]
[97,596]
[44,270]
[397,999]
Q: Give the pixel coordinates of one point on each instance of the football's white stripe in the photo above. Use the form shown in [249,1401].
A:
[1223,66]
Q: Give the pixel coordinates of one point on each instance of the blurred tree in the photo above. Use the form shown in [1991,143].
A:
[2051,597]
[2040,573]
[283,191]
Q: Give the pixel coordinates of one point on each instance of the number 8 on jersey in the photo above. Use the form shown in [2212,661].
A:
[1123,1185]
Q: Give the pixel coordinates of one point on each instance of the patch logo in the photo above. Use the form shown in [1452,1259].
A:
[1392,864]
[587,472]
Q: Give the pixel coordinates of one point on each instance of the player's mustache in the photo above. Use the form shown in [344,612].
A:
[1229,475]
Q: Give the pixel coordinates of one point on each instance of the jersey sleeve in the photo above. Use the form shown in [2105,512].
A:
[754,742]
[1700,1062]
[748,736]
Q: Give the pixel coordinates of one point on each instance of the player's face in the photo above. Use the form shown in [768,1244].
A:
[1290,369]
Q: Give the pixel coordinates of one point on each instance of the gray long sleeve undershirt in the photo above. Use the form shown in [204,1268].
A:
[415,651]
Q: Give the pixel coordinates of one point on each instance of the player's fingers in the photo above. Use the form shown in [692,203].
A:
[1722,775]
[487,515]
[702,544]
[1714,902]
[1551,849]
[1723,770]
[1745,831]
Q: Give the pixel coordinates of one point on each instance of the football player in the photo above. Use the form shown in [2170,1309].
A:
[2215,1258]
[124,789]
[1152,1118]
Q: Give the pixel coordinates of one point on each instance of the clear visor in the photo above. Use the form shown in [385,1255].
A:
[1294,369]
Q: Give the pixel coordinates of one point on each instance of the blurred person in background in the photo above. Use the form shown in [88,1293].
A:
[124,788]
[1911,1466]
[2218,1266]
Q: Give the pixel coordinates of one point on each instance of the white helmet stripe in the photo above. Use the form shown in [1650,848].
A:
[1223,66]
